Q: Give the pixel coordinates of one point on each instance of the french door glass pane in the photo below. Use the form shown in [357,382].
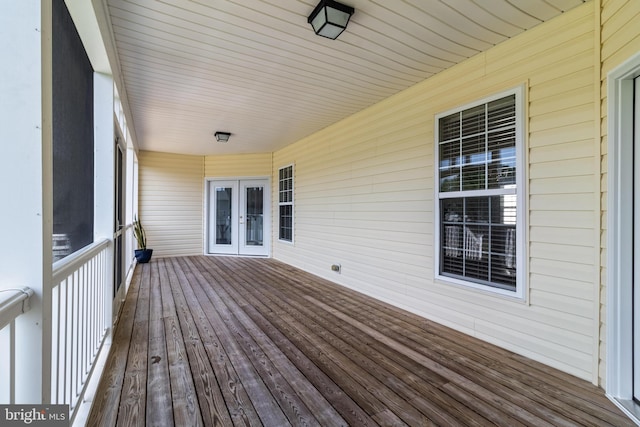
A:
[223,215]
[255,215]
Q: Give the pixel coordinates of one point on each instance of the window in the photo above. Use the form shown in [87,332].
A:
[479,157]
[285,203]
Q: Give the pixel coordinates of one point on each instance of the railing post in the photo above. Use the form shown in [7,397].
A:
[25,186]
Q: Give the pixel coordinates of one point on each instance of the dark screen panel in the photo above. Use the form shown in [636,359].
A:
[73,146]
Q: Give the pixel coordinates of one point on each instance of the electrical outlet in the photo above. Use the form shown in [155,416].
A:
[336,267]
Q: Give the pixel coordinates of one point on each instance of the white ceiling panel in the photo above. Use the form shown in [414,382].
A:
[256,69]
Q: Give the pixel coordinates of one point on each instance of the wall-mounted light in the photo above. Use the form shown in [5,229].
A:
[330,18]
[222,136]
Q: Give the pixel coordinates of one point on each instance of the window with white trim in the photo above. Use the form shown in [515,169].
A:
[285,203]
[479,195]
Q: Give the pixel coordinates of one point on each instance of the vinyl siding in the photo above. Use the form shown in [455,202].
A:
[241,165]
[364,197]
[171,202]
[620,21]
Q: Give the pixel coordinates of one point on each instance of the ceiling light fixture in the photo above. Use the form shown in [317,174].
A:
[222,136]
[330,18]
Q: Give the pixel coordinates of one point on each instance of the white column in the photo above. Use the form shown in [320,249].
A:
[104,139]
[25,184]
[104,169]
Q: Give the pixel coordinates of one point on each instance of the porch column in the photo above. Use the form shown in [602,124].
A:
[104,169]
[25,185]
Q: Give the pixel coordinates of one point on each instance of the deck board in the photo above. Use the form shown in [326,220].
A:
[222,341]
[107,401]
[158,409]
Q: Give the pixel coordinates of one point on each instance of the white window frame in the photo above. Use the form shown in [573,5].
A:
[520,290]
[291,203]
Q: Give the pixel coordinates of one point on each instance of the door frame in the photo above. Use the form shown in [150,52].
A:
[119,289]
[267,224]
[620,168]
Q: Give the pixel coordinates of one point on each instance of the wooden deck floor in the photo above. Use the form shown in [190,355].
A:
[239,341]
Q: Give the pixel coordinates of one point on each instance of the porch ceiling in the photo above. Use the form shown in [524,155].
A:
[256,69]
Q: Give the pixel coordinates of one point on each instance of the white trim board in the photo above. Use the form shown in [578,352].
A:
[619,359]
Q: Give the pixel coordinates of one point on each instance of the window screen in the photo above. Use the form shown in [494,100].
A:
[73,147]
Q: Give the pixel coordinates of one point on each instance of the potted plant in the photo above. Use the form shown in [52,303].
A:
[142,254]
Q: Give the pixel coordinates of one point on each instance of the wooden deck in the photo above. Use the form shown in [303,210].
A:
[243,341]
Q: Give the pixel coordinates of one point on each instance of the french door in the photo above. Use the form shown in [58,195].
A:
[118,228]
[238,212]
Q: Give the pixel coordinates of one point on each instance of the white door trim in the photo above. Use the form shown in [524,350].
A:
[619,356]
[636,282]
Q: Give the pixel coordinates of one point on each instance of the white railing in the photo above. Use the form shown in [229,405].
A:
[13,302]
[81,301]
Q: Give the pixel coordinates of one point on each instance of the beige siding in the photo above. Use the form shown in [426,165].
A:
[620,34]
[240,165]
[170,202]
[364,197]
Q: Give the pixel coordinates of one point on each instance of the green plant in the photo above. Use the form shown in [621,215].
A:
[140,235]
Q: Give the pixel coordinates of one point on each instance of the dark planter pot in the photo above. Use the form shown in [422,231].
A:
[143,255]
